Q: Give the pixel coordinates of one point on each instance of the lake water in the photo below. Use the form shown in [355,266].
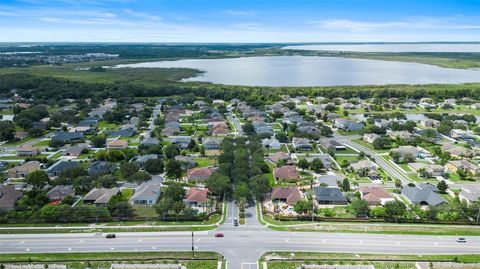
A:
[314,71]
[405,47]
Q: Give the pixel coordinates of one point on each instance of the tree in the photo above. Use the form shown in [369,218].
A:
[248,128]
[346,184]
[173,169]
[317,165]
[302,206]
[140,177]
[98,141]
[442,186]
[128,169]
[154,166]
[395,209]
[422,172]
[303,164]
[7,131]
[219,184]
[241,191]
[38,179]
[360,208]
[259,186]
[171,151]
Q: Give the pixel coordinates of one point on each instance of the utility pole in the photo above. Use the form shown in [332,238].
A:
[478,216]
[193,246]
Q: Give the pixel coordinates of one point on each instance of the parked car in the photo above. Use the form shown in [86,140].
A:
[218,235]
[110,236]
[461,240]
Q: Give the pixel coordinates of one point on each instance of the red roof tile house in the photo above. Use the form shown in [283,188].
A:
[375,195]
[288,195]
[197,197]
[199,174]
[287,172]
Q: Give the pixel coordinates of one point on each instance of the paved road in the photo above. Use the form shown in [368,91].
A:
[238,127]
[241,245]
[379,160]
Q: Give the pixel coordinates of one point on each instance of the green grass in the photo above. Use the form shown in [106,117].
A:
[204,161]
[43,143]
[369,146]
[19,142]
[202,260]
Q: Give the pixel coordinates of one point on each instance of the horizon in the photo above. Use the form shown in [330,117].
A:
[258,22]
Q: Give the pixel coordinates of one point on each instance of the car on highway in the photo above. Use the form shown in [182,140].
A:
[219,235]
[461,240]
[110,236]
[235,222]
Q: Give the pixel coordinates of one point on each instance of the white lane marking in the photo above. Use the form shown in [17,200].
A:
[70,249]
[154,248]
[139,240]
[111,248]
[23,242]
[81,241]
[27,249]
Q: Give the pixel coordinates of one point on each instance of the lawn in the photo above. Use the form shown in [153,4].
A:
[43,143]
[204,161]
[370,146]
[205,260]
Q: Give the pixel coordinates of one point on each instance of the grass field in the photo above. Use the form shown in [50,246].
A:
[202,260]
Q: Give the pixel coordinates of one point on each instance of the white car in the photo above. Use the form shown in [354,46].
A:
[461,240]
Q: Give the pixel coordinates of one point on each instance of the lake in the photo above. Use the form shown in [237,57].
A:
[397,47]
[313,71]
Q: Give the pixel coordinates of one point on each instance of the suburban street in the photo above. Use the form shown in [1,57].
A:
[241,246]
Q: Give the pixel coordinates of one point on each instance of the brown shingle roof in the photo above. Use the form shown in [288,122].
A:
[290,194]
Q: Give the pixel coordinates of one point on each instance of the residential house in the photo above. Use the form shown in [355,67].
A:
[422,196]
[68,137]
[150,141]
[330,180]
[375,195]
[279,156]
[347,125]
[127,132]
[369,138]
[22,170]
[404,135]
[181,141]
[456,150]
[27,151]
[329,196]
[100,197]
[146,194]
[288,195]
[262,128]
[211,143]
[300,143]
[453,166]
[461,134]
[187,162]
[75,151]
[101,167]
[271,143]
[332,144]
[363,164]
[287,172]
[469,193]
[8,197]
[405,151]
[197,197]
[60,166]
[200,173]
[59,192]
[117,144]
[142,159]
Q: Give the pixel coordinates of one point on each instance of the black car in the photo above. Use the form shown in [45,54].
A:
[235,222]
[110,236]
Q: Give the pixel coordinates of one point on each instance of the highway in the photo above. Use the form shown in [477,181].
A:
[240,245]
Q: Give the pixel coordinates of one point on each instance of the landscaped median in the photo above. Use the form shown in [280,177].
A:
[290,260]
[368,227]
[107,227]
[202,260]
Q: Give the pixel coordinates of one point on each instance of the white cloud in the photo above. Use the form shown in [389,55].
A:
[355,26]
[142,15]
[239,12]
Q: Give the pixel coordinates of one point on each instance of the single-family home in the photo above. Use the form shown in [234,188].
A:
[332,144]
[59,192]
[469,193]
[200,173]
[375,195]
[329,196]
[288,195]
[100,197]
[271,143]
[287,172]
[27,151]
[197,197]
[60,166]
[369,138]
[330,180]
[186,162]
[211,143]
[453,166]
[8,197]
[117,144]
[142,159]
[146,194]
[101,167]
[75,151]
[422,196]
[456,150]
[301,143]
[279,156]
[22,170]
[363,164]
[68,137]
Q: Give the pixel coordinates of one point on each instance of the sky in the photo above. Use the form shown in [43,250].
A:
[239,21]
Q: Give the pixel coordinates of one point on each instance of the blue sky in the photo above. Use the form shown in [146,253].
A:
[239,21]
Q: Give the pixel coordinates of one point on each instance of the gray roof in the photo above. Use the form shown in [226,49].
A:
[417,195]
[329,194]
[330,180]
[67,136]
[60,191]
[146,192]
[100,196]
[61,166]
[9,196]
